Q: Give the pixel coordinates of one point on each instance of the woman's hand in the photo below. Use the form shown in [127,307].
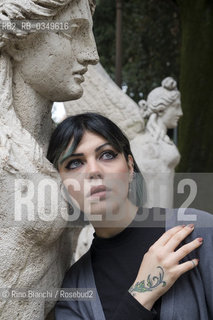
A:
[160,266]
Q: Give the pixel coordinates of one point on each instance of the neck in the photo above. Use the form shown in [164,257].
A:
[33,111]
[161,125]
[127,212]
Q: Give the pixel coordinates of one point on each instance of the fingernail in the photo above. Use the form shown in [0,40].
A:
[200,239]
[191,225]
[195,262]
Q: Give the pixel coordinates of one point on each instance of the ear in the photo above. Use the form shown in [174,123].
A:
[161,110]
[160,113]
[131,167]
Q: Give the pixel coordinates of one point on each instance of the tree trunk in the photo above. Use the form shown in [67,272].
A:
[196,86]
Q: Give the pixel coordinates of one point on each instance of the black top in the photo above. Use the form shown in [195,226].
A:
[115,263]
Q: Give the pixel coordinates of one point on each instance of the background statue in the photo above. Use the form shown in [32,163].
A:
[36,68]
[156,154]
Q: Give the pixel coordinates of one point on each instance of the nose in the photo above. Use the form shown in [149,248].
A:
[89,54]
[93,170]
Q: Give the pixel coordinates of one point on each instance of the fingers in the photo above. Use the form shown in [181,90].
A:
[187,248]
[186,266]
[168,235]
[179,236]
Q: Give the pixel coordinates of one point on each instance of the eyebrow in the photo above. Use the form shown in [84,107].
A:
[69,155]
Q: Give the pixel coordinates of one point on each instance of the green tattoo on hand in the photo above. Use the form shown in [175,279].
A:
[151,283]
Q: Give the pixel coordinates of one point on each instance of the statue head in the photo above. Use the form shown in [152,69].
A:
[51,62]
[165,102]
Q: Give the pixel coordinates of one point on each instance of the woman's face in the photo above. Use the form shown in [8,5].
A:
[172,114]
[97,176]
[53,63]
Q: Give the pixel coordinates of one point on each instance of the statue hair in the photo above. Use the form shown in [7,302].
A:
[30,10]
[162,97]
[22,10]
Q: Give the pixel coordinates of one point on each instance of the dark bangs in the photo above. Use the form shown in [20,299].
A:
[74,127]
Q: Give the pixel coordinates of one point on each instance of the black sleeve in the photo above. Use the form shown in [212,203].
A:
[64,310]
[130,308]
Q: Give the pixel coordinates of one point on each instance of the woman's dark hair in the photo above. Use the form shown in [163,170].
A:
[75,127]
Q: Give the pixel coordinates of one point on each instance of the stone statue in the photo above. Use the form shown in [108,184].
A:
[36,68]
[156,155]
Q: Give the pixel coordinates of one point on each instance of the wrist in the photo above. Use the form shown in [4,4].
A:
[144,300]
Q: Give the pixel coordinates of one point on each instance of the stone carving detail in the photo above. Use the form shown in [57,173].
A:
[156,155]
[102,95]
[36,69]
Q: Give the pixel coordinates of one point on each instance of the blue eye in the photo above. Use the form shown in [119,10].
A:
[77,163]
[73,164]
[108,155]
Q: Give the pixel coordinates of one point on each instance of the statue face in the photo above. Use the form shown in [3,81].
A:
[172,114]
[53,63]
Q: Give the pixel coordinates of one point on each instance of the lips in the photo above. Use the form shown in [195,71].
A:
[79,77]
[98,190]
[80,71]
[78,74]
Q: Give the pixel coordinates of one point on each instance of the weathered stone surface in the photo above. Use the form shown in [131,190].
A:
[36,69]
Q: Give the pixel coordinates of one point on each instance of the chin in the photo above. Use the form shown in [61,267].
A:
[102,215]
[96,208]
[172,125]
[77,95]
[175,125]
[61,95]
[99,209]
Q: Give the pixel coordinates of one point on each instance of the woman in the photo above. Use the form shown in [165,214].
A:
[158,156]
[133,269]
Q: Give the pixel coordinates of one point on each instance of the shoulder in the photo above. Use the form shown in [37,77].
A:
[73,275]
[199,217]
[202,220]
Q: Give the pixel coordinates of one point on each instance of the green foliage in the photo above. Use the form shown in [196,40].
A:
[104,30]
[151,42]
